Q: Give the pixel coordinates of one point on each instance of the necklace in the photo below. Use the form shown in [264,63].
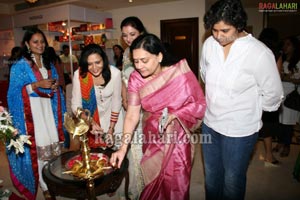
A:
[35,61]
[100,88]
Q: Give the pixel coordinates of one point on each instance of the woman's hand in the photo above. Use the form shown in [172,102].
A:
[170,120]
[124,96]
[124,103]
[54,85]
[46,83]
[96,129]
[117,158]
[169,123]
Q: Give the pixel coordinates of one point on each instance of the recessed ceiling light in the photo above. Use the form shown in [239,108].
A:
[31,1]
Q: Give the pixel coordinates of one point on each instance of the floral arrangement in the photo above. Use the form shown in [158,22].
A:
[9,135]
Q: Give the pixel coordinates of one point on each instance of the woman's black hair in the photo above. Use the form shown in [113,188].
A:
[152,44]
[294,59]
[27,52]
[270,37]
[119,60]
[15,54]
[135,23]
[229,11]
[53,57]
[83,63]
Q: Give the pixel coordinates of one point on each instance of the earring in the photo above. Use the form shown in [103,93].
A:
[28,48]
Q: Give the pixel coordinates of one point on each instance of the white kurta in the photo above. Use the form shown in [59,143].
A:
[43,119]
[45,132]
[108,100]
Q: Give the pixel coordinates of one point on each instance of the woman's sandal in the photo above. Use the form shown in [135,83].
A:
[274,163]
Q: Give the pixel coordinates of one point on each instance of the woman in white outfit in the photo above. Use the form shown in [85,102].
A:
[131,28]
[97,87]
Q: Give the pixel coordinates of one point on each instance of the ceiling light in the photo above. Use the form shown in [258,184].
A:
[31,1]
[130,1]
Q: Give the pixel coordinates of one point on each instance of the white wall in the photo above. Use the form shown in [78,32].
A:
[255,19]
[151,15]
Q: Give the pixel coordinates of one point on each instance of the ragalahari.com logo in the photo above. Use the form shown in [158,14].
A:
[278,7]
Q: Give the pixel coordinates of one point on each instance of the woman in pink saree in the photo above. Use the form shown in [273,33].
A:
[159,85]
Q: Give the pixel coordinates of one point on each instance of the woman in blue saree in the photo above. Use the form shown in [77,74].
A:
[37,105]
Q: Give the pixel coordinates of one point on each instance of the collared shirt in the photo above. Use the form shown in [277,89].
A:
[66,63]
[239,87]
[66,59]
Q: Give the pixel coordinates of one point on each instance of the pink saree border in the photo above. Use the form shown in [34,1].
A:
[171,73]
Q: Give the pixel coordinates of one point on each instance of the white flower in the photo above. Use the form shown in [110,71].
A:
[9,133]
[19,147]
[24,139]
[18,144]
[11,144]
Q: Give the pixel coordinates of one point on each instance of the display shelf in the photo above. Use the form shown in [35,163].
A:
[95,32]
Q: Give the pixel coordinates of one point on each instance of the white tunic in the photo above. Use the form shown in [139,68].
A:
[239,88]
[43,119]
[45,132]
[108,100]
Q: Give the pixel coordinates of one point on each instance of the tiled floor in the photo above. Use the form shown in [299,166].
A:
[263,182]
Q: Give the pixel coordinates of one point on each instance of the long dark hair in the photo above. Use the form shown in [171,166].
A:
[270,37]
[296,53]
[15,54]
[119,60]
[229,11]
[83,63]
[27,53]
[135,22]
[53,57]
[152,44]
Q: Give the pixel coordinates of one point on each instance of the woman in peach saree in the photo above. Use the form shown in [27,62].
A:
[162,84]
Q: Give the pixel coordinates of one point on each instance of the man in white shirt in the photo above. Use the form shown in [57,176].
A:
[65,59]
[241,80]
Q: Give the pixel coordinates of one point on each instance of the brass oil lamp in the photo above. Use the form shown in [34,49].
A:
[86,169]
